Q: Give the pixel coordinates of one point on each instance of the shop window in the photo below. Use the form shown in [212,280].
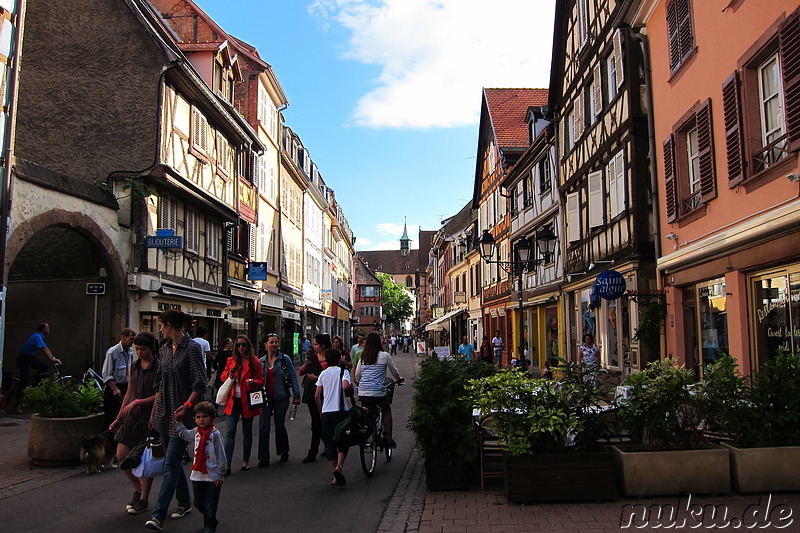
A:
[610,353]
[551,335]
[776,313]
[587,316]
[713,316]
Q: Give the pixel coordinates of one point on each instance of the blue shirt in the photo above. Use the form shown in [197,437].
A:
[34,343]
[466,350]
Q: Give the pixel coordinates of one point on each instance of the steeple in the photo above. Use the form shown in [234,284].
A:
[404,240]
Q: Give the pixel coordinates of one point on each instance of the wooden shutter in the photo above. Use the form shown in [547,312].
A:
[597,88]
[579,114]
[617,184]
[253,239]
[573,218]
[671,193]
[618,57]
[705,149]
[732,112]
[672,33]
[790,66]
[685,27]
[596,199]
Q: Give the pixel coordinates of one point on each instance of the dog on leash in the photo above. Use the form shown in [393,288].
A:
[98,451]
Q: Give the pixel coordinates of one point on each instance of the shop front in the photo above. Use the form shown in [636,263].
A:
[241,314]
[292,326]
[269,314]
[774,312]
[495,299]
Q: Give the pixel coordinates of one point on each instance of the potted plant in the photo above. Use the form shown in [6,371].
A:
[64,417]
[442,420]
[551,433]
[761,416]
[669,453]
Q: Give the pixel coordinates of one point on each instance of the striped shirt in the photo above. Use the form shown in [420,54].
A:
[177,376]
[371,379]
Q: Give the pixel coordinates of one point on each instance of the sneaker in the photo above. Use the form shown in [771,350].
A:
[180,512]
[134,499]
[154,524]
[138,507]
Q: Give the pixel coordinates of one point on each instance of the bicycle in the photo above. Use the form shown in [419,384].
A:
[90,378]
[378,441]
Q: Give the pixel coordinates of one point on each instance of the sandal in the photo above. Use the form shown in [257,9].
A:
[245,467]
[339,477]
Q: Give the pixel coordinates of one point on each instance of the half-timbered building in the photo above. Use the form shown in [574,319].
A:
[596,94]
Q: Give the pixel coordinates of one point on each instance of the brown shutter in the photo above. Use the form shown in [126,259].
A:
[685,27]
[618,57]
[705,148]
[790,66]
[732,112]
[669,179]
[672,33]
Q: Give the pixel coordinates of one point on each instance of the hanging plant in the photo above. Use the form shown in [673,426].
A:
[651,317]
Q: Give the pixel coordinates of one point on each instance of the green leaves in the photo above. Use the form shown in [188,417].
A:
[395,300]
[55,400]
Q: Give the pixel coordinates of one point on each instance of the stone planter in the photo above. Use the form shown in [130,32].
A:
[664,473]
[446,475]
[560,476]
[57,441]
[765,469]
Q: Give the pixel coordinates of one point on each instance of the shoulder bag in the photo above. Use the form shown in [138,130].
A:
[354,429]
[224,391]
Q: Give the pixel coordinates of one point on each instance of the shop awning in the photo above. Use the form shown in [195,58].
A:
[439,323]
[194,294]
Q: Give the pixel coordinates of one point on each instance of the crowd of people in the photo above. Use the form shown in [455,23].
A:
[157,389]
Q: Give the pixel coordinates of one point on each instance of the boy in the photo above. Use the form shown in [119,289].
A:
[208,468]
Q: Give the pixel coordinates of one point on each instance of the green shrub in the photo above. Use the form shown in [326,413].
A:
[55,400]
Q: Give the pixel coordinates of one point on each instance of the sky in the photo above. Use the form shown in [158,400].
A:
[386,94]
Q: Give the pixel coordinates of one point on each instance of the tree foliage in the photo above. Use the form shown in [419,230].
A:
[395,300]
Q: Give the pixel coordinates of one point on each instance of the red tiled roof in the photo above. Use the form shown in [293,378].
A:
[508,110]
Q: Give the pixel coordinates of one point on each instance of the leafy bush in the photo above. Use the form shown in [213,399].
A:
[440,417]
[55,400]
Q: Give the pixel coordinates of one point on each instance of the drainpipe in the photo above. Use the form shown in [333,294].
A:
[641,38]
[8,155]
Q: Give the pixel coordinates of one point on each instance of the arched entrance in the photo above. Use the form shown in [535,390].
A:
[51,258]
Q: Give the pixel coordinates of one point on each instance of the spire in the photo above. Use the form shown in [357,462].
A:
[404,240]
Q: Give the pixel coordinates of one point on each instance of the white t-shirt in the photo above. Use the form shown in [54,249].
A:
[203,344]
[497,342]
[331,384]
[394,340]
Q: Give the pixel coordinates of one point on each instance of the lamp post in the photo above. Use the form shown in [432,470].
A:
[545,243]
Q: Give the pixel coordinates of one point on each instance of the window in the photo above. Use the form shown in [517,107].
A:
[167,213]
[223,156]
[192,232]
[492,158]
[611,80]
[370,292]
[616,184]
[513,197]
[573,217]
[582,8]
[200,134]
[213,239]
[526,190]
[679,31]
[689,173]
[770,101]
[545,175]
[569,131]
[597,92]
[409,282]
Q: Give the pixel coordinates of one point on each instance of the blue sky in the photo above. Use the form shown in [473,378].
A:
[385,94]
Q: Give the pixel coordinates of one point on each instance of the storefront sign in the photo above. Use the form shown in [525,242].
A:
[257,271]
[609,285]
[215,313]
[291,315]
[166,306]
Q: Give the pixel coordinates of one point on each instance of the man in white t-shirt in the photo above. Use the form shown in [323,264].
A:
[497,345]
[393,344]
[200,339]
[331,384]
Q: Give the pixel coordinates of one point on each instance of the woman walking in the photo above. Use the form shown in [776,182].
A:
[338,344]
[312,367]
[134,416]
[245,369]
[180,382]
[370,377]
[280,381]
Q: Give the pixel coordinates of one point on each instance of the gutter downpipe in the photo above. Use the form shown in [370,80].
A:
[8,155]
[641,38]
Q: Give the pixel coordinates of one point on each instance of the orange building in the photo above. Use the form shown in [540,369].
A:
[725,82]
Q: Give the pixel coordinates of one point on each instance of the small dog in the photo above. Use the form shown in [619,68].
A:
[98,451]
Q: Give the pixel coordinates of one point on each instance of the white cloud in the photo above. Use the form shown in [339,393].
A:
[362,242]
[435,56]
[388,228]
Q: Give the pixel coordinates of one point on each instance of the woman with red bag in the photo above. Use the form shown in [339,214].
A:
[245,369]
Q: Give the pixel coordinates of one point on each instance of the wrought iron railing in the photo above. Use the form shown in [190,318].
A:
[770,154]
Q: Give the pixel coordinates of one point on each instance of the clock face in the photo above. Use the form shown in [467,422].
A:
[404,252]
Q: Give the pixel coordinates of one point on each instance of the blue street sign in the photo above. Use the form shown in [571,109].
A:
[610,285]
[163,242]
[257,271]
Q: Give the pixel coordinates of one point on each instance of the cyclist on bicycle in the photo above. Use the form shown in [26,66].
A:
[371,379]
[27,359]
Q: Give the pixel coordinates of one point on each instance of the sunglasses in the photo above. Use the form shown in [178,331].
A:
[242,344]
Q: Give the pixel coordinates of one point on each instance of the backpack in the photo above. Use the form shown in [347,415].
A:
[354,429]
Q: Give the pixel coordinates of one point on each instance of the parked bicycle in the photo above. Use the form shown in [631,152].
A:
[90,377]
[378,440]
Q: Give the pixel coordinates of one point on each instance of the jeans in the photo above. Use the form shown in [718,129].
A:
[25,363]
[329,423]
[206,500]
[276,408]
[316,428]
[175,482]
[231,421]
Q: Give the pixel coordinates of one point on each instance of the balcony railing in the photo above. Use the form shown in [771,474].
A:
[770,154]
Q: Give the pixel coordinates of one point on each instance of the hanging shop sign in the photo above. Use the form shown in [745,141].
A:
[609,285]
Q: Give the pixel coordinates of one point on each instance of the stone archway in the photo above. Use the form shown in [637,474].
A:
[49,258]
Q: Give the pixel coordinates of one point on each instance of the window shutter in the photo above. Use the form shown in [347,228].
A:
[684,27]
[596,199]
[790,66]
[253,239]
[669,179]
[732,112]
[617,184]
[705,146]
[229,238]
[573,218]
[579,114]
[597,88]
[618,57]
[672,32]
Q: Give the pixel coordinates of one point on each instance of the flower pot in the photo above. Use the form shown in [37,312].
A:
[663,473]
[765,469]
[560,476]
[446,475]
[57,441]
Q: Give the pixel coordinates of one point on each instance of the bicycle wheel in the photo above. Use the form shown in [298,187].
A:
[369,453]
[69,382]
[384,439]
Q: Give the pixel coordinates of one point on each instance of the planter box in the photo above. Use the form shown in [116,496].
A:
[444,475]
[765,469]
[57,441]
[560,476]
[664,473]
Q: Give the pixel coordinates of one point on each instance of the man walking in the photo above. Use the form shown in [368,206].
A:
[116,367]
[27,359]
[206,347]
[497,345]
[393,345]
[466,349]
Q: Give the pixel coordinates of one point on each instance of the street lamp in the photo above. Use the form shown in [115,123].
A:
[545,243]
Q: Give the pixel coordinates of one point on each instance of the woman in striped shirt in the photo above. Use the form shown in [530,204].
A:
[371,379]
